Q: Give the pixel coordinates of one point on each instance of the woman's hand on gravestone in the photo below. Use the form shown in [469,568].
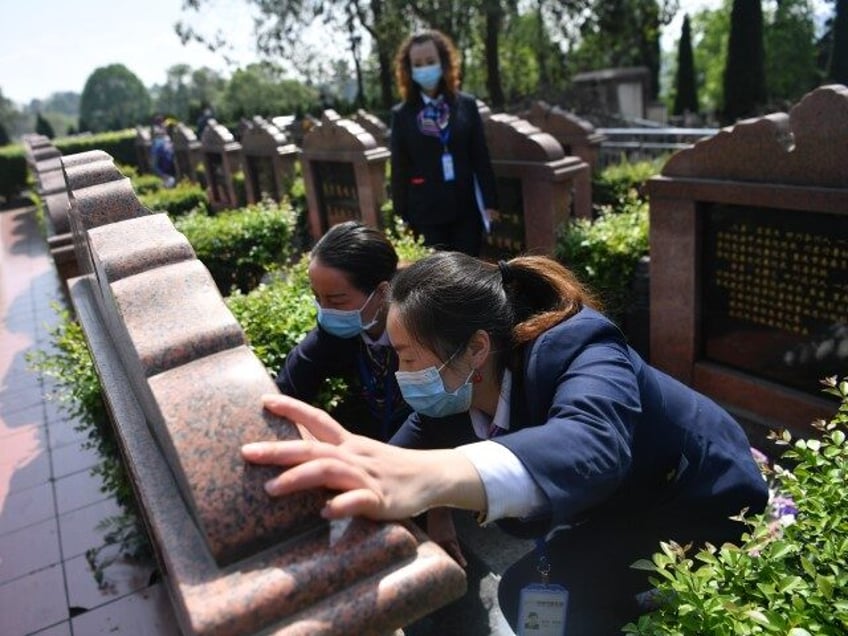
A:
[373,479]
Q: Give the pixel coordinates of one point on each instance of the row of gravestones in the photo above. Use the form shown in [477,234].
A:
[542,163]
[183,391]
[748,304]
[749,243]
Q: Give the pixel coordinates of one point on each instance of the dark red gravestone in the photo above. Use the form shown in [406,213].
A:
[749,262]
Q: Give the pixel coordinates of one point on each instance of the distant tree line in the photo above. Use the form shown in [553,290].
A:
[741,59]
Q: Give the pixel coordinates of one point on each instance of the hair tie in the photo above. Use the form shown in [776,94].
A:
[506,272]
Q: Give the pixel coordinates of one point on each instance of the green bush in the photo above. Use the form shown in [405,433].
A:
[120,145]
[13,171]
[604,253]
[276,315]
[788,577]
[146,183]
[615,182]
[239,247]
[177,201]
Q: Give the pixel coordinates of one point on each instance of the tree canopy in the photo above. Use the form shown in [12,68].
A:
[113,98]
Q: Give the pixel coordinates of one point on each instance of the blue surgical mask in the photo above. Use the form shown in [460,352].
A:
[427,77]
[344,323]
[425,392]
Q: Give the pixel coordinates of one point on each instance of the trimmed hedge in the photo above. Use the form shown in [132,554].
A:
[13,171]
[177,201]
[120,144]
[240,246]
[13,166]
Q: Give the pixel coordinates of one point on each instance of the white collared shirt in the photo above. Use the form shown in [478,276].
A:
[510,490]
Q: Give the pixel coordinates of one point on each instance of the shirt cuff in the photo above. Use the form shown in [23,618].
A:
[510,490]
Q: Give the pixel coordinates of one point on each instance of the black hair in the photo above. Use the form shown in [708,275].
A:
[363,253]
[444,298]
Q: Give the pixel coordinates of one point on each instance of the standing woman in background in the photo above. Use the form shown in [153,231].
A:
[443,184]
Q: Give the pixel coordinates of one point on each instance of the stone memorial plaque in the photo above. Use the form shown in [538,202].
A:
[337,195]
[507,237]
[775,293]
[260,171]
[217,179]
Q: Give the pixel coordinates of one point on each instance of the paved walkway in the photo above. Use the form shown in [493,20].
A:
[50,504]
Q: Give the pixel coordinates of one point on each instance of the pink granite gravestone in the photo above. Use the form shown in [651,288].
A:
[577,137]
[535,184]
[183,390]
[221,160]
[373,125]
[142,148]
[344,171]
[268,159]
[187,152]
[749,261]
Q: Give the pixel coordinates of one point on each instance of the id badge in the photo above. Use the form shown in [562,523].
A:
[447,166]
[542,609]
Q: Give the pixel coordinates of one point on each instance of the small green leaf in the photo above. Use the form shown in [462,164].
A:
[758,617]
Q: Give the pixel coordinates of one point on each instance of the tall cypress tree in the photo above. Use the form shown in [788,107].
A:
[43,127]
[838,68]
[744,73]
[686,95]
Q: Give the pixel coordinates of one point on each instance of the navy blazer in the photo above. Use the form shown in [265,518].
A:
[603,433]
[420,195]
[321,355]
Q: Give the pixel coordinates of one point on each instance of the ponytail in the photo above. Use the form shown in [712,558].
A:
[542,293]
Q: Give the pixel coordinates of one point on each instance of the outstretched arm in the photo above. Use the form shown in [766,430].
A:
[373,479]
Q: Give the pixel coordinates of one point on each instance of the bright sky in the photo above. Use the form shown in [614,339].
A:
[49,46]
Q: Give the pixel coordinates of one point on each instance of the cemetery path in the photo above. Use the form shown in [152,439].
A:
[50,503]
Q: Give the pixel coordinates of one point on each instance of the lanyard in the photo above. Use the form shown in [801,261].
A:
[371,393]
[444,131]
[543,565]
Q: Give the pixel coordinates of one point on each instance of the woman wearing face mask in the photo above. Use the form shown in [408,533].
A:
[559,431]
[443,184]
[349,271]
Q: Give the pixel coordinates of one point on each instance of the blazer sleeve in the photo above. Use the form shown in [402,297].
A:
[318,356]
[480,159]
[400,165]
[423,432]
[581,452]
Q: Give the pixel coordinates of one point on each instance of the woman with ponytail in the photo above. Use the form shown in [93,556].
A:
[531,410]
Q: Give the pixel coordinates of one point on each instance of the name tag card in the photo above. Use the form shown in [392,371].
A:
[541,611]
[447,166]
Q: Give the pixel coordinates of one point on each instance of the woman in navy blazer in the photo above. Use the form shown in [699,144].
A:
[349,270]
[438,148]
[547,423]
